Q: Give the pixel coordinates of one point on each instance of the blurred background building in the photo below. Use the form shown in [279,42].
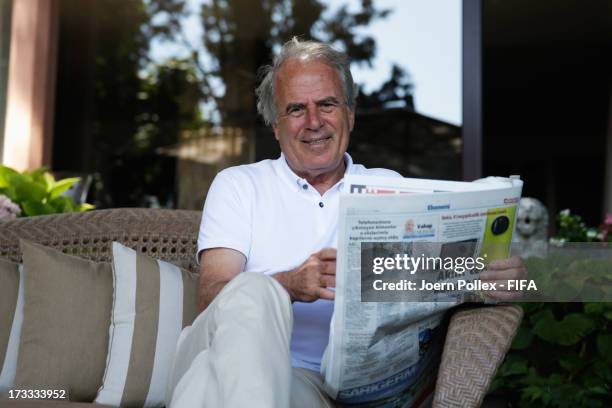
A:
[154,97]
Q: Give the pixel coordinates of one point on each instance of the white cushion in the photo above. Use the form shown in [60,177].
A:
[153,301]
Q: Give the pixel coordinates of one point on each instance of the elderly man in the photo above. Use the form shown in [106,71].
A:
[266,247]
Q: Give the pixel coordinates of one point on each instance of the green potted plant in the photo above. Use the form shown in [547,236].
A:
[35,192]
[562,354]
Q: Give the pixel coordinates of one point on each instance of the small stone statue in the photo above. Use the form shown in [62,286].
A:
[532,227]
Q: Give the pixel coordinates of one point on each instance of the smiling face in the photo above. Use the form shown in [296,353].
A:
[313,122]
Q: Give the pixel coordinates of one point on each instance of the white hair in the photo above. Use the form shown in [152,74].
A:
[304,51]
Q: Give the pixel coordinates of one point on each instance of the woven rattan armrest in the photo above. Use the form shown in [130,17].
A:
[478,338]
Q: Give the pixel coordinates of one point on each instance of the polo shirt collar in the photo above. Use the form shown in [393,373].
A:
[284,171]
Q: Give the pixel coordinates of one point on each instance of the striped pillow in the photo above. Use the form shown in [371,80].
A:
[11,317]
[153,301]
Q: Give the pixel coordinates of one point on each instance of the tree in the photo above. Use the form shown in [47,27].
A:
[396,89]
[115,108]
[240,36]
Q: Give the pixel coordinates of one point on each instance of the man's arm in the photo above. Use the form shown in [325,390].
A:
[217,267]
[306,283]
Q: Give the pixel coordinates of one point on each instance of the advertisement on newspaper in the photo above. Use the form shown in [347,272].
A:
[383,337]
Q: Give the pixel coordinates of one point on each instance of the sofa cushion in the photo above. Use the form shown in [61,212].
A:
[153,301]
[64,338]
[11,318]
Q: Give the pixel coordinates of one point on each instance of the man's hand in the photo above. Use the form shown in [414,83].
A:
[309,281]
[499,272]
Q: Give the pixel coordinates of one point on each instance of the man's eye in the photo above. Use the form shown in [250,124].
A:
[327,106]
[295,111]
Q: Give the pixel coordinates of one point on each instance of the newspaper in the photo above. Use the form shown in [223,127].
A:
[381,349]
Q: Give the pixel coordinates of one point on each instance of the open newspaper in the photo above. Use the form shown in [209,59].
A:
[388,346]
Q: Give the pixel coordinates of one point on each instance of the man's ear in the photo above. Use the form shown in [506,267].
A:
[275,129]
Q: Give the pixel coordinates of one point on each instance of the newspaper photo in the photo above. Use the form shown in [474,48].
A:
[384,344]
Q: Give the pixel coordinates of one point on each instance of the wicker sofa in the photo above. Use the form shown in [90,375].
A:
[477,337]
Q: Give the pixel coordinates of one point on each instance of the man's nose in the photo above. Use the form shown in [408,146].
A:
[313,118]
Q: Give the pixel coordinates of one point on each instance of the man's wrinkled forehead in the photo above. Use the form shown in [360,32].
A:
[298,65]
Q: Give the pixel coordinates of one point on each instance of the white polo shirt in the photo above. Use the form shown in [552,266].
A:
[277,220]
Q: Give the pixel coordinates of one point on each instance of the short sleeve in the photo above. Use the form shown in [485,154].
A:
[226,220]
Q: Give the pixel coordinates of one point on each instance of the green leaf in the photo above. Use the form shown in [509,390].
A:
[517,367]
[523,339]
[598,389]
[496,384]
[608,315]
[61,186]
[539,314]
[568,331]
[595,309]
[86,207]
[10,193]
[603,370]
[27,190]
[604,346]
[63,204]
[5,172]
[532,393]
[572,362]
[47,181]
[31,208]
[531,308]
[50,180]
[556,379]
[38,176]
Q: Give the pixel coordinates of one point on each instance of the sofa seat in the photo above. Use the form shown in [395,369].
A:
[477,337]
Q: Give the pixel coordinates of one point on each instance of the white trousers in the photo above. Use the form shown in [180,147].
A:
[236,353]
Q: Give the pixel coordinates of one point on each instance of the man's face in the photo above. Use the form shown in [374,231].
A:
[313,121]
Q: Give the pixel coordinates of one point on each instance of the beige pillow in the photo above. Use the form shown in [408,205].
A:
[11,317]
[64,337]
